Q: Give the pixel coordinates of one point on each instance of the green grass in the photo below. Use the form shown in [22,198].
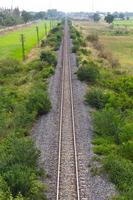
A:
[112,124]
[123,23]
[23,98]
[122,48]
[10,45]
[117,39]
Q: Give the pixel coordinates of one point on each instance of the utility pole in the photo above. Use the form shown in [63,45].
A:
[46,29]
[23,46]
[37,32]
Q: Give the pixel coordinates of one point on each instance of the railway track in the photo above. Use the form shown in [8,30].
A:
[68,177]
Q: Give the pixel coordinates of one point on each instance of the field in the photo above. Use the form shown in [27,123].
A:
[117,39]
[10,44]
[124,23]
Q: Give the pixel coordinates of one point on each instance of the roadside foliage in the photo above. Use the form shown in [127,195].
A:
[110,94]
[23,98]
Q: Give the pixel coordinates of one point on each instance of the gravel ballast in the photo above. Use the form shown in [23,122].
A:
[46,133]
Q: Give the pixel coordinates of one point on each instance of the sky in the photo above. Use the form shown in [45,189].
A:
[70,5]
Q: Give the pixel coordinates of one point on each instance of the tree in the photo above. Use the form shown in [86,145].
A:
[26,16]
[121,16]
[96,17]
[109,18]
[40,15]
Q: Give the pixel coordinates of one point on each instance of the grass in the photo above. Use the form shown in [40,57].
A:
[122,48]
[23,98]
[10,45]
[111,97]
[123,23]
[119,45]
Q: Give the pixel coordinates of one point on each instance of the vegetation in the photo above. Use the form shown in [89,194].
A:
[23,97]
[11,17]
[114,42]
[111,96]
[109,18]
[11,45]
[98,97]
[88,72]
[96,17]
[54,38]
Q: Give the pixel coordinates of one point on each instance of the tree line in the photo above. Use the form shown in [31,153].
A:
[109,18]
[11,17]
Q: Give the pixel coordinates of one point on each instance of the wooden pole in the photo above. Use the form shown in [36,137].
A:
[46,29]
[23,46]
[37,31]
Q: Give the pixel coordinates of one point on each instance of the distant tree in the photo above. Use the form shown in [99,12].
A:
[109,18]
[116,14]
[16,12]
[121,16]
[96,17]
[40,15]
[52,13]
[26,16]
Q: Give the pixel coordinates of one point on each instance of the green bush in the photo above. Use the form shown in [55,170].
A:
[54,38]
[121,101]
[38,100]
[85,51]
[23,179]
[97,97]
[126,133]
[19,167]
[14,151]
[120,171]
[4,190]
[108,122]
[126,150]
[9,66]
[123,84]
[88,72]
[49,57]
[47,72]
[36,65]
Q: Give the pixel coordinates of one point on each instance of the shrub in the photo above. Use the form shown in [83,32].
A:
[4,190]
[9,66]
[17,150]
[126,150]
[97,97]
[126,132]
[85,51]
[18,167]
[23,179]
[92,37]
[36,65]
[54,38]
[22,117]
[88,72]
[120,171]
[47,72]
[120,101]
[38,100]
[108,122]
[49,57]
[123,84]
